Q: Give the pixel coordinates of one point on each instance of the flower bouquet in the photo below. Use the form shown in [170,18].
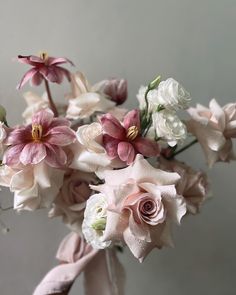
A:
[109,173]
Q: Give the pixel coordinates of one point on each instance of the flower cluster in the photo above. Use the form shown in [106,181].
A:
[89,161]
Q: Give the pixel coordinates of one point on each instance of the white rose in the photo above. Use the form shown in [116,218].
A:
[94,223]
[169,127]
[171,95]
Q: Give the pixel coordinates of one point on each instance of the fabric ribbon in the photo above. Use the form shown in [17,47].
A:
[103,273]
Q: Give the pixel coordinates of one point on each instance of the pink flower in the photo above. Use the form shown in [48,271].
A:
[71,200]
[44,139]
[44,67]
[116,89]
[193,185]
[142,203]
[214,127]
[125,141]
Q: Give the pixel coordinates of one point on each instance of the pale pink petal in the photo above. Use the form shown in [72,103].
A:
[113,127]
[51,75]
[126,152]
[56,157]
[43,118]
[132,119]
[27,76]
[146,147]
[33,153]
[218,114]
[30,60]
[19,135]
[58,60]
[12,155]
[61,135]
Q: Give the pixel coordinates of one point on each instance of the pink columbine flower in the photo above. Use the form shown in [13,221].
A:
[45,139]
[44,67]
[124,141]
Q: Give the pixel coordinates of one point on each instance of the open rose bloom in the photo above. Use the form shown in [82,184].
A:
[111,175]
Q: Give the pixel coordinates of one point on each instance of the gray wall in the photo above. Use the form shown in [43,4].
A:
[193,41]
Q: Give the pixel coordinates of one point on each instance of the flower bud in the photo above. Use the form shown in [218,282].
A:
[152,85]
[117,90]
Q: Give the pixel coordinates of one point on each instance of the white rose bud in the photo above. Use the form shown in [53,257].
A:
[171,95]
[94,223]
[169,127]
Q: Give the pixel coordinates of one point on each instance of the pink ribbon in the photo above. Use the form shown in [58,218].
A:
[103,273]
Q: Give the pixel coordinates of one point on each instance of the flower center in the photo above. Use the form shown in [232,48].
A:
[43,55]
[36,132]
[132,132]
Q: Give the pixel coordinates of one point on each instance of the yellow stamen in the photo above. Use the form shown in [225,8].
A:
[132,132]
[43,55]
[37,131]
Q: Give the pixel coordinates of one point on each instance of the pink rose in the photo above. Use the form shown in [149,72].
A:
[142,203]
[214,128]
[71,200]
[193,185]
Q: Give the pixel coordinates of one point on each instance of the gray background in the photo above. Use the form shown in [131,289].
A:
[192,41]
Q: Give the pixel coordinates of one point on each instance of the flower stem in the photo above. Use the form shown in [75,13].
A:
[183,148]
[51,102]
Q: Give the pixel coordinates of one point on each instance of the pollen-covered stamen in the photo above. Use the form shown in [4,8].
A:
[37,131]
[132,132]
[43,55]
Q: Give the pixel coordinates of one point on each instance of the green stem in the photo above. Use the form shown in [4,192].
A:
[51,102]
[183,148]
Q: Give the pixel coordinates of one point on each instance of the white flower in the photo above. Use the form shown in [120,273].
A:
[85,99]
[169,127]
[171,95]
[36,103]
[89,154]
[33,186]
[94,223]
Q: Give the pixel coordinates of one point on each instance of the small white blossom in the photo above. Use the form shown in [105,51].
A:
[141,97]
[169,127]
[94,223]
